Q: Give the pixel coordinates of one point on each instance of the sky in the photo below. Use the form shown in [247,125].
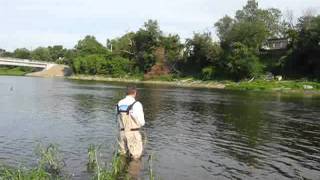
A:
[34,23]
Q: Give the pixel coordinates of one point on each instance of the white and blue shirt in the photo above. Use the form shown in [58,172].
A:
[137,110]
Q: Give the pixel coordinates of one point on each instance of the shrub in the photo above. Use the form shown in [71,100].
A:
[207,73]
[243,62]
[101,65]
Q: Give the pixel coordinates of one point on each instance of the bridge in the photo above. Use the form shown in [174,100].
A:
[48,69]
[25,63]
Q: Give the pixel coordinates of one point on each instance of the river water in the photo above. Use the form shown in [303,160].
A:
[191,133]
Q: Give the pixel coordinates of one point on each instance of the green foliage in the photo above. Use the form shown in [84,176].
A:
[251,34]
[145,41]
[224,27]
[22,53]
[242,62]
[272,85]
[173,48]
[200,52]
[7,173]
[49,167]
[251,26]
[15,71]
[89,45]
[41,53]
[102,65]
[208,73]
[92,156]
[112,172]
[304,59]
[90,64]
[122,46]
[50,159]
[57,53]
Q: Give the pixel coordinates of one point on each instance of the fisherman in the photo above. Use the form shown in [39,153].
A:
[131,119]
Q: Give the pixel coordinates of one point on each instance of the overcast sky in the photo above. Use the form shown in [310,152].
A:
[33,23]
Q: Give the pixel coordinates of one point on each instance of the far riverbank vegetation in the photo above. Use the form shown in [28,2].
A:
[254,45]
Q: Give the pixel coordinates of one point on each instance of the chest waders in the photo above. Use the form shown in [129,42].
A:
[130,140]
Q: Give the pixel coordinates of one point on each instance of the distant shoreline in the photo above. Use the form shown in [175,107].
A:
[288,86]
[176,83]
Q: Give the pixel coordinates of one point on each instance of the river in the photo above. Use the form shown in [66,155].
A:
[191,133]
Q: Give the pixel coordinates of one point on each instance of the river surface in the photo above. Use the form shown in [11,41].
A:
[191,133]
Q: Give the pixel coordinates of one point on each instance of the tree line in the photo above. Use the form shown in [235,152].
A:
[237,55]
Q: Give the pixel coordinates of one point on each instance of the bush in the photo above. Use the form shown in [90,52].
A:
[118,66]
[207,73]
[243,62]
[101,65]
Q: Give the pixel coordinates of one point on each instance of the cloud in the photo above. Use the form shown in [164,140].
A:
[31,23]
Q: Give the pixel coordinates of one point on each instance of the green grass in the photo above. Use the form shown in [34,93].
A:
[12,71]
[49,167]
[274,85]
[112,171]
[50,159]
[8,173]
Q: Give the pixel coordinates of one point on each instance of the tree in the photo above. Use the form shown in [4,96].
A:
[304,60]
[101,65]
[173,49]
[22,53]
[200,52]
[251,26]
[122,46]
[57,52]
[242,62]
[224,26]
[89,45]
[41,53]
[4,53]
[145,41]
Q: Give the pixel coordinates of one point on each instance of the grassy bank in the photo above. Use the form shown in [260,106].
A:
[12,71]
[293,85]
[187,82]
[259,85]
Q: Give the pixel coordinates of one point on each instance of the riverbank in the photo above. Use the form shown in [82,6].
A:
[12,72]
[288,85]
[176,82]
[257,85]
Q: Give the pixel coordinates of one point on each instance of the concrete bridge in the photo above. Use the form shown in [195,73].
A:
[25,63]
[48,69]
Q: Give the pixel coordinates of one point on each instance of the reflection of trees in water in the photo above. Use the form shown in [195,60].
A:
[243,127]
[88,107]
[246,117]
[152,103]
[298,131]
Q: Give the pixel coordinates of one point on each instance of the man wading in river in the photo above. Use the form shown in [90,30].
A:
[131,119]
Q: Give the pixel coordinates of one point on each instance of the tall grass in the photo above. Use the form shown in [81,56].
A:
[50,159]
[8,173]
[49,167]
[92,156]
[111,172]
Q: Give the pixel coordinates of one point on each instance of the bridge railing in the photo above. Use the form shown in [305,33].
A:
[24,61]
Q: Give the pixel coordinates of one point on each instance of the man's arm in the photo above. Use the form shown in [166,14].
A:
[138,113]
